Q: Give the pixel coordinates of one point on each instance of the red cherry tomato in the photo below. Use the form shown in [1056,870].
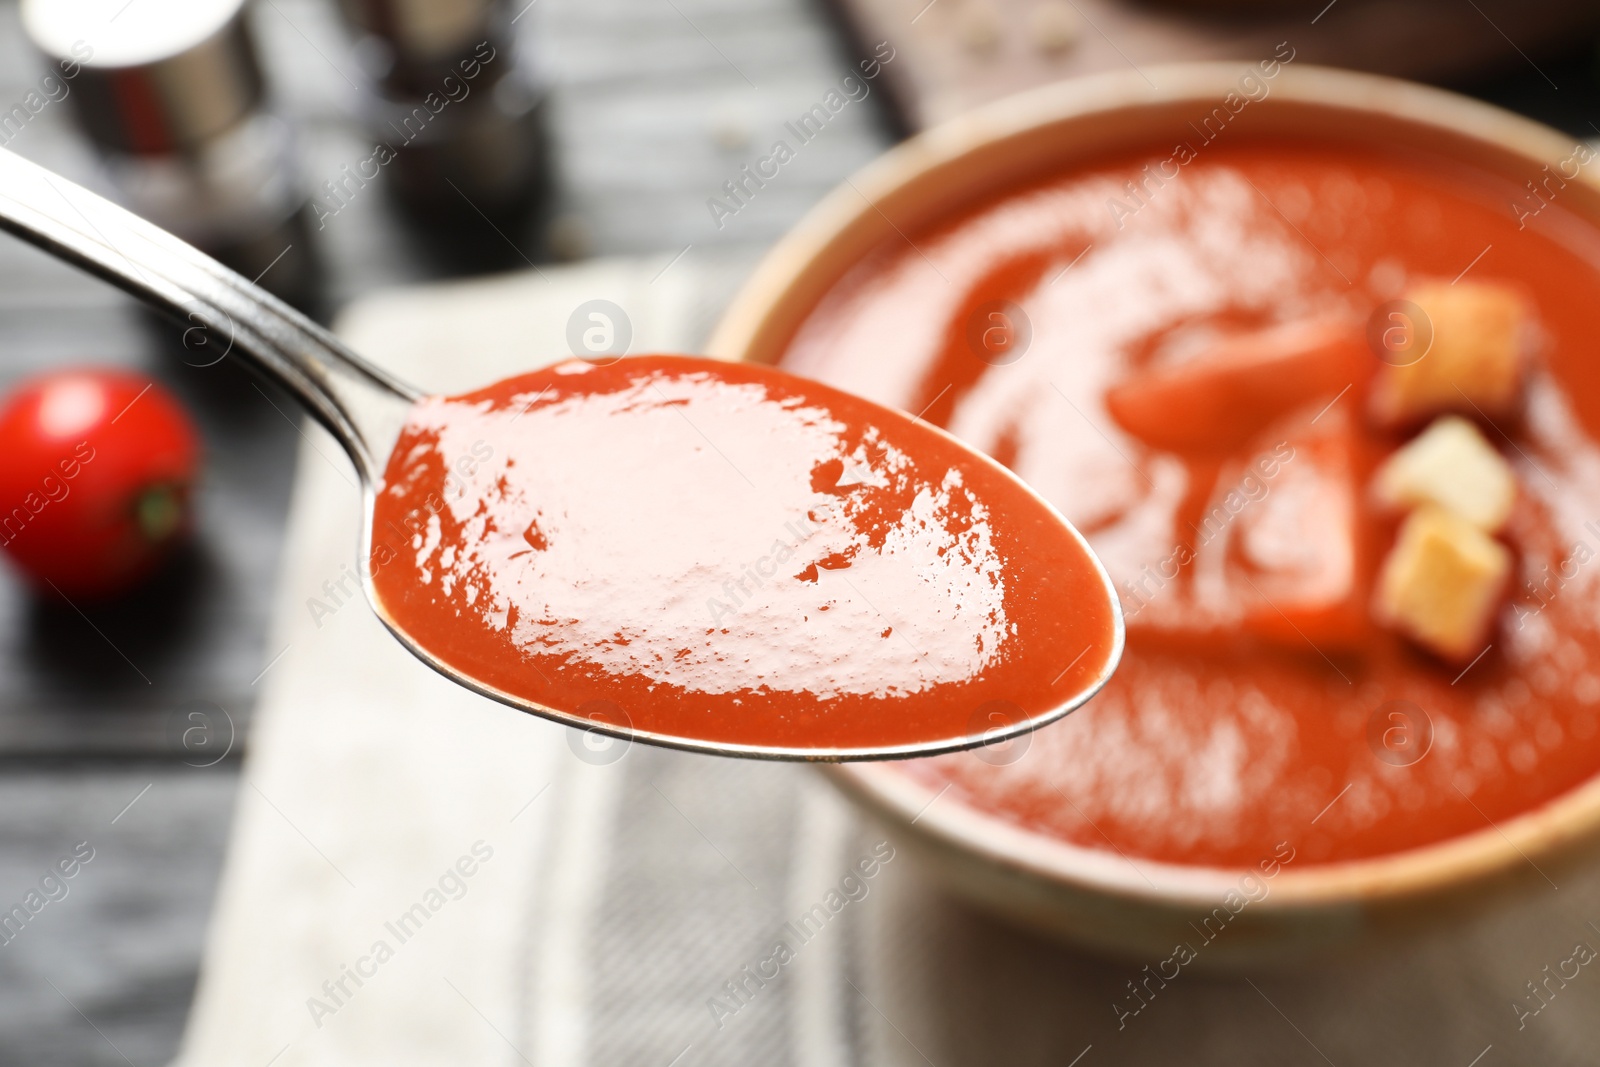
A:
[96,470]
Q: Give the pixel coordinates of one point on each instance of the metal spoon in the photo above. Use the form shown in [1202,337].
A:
[363,406]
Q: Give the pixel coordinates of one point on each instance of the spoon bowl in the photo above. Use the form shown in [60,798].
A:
[535,585]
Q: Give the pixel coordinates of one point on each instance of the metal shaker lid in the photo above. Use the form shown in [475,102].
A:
[151,77]
[424,31]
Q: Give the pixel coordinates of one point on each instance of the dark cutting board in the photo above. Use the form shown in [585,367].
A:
[951,55]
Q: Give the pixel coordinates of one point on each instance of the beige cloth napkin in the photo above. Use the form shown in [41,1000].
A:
[348,928]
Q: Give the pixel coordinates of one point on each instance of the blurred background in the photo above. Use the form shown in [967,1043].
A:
[602,129]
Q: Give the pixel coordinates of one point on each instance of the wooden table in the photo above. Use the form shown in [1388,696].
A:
[653,106]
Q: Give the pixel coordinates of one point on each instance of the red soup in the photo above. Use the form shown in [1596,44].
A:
[1351,534]
[718,552]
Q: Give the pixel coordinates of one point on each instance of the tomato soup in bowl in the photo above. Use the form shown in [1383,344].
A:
[1305,355]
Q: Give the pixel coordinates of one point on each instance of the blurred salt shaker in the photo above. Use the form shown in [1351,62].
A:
[447,98]
[173,97]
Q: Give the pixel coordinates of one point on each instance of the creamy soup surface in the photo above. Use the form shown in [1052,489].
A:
[1233,725]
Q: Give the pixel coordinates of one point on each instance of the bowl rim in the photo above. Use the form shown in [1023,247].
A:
[1496,849]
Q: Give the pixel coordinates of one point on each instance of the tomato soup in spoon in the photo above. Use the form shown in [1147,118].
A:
[700,551]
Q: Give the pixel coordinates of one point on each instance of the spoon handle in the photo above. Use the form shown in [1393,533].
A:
[357,401]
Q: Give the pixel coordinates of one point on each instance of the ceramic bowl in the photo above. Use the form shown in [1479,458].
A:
[1089,896]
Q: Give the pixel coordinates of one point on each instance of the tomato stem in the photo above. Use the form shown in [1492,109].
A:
[160,512]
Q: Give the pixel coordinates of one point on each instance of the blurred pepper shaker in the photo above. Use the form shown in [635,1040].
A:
[459,116]
[173,97]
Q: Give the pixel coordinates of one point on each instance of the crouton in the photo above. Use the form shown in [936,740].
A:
[1230,391]
[1473,362]
[1442,583]
[1450,465]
